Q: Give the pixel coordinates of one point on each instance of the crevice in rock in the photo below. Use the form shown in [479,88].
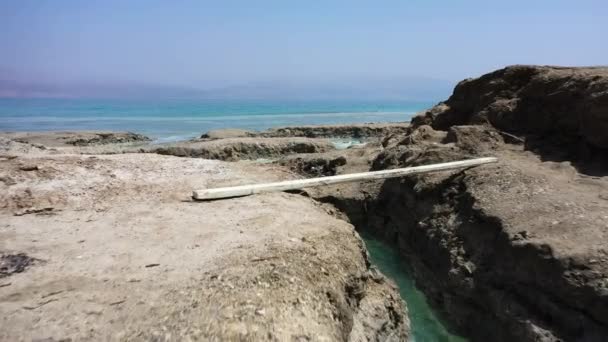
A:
[473,273]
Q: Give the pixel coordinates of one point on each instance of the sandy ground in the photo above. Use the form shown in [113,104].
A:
[121,252]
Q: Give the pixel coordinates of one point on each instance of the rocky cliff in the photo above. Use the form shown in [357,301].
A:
[562,112]
[515,251]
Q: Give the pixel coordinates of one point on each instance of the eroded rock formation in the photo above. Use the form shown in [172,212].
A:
[359,131]
[233,149]
[513,251]
[562,112]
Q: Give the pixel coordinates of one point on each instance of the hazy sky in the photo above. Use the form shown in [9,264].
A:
[198,43]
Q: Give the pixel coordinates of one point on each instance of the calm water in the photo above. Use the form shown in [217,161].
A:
[168,120]
[425,325]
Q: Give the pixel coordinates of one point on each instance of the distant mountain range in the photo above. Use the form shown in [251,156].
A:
[411,88]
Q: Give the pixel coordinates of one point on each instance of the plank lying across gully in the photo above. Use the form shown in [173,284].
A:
[245,190]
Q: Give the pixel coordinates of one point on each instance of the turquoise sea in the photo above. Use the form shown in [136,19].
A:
[172,120]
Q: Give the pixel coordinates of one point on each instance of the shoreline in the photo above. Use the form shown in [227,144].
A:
[53,137]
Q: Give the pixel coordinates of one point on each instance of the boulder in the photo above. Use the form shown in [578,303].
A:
[567,105]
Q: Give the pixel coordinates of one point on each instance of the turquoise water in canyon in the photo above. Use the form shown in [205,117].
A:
[425,325]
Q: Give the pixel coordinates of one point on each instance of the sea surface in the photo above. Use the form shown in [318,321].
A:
[174,120]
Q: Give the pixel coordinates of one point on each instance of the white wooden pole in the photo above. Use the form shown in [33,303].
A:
[245,190]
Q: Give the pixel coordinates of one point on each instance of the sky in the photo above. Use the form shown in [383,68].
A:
[214,44]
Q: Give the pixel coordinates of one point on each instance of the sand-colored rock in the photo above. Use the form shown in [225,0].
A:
[79,138]
[368,130]
[232,149]
[357,131]
[120,252]
[227,133]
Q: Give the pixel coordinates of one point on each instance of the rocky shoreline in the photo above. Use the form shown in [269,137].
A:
[357,131]
[103,242]
[81,138]
[514,251]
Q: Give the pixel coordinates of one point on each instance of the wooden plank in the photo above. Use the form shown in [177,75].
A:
[245,190]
